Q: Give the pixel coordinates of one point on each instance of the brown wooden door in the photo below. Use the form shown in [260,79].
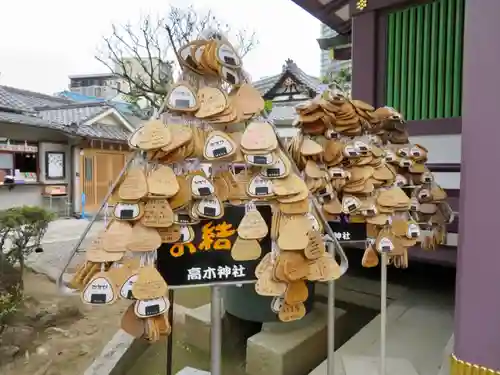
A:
[99,169]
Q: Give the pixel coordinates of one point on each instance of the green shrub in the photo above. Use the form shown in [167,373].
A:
[9,303]
[21,230]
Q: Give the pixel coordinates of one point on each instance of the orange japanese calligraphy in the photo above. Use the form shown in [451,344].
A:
[178,249]
[213,237]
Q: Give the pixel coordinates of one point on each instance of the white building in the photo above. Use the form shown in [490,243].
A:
[327,65]
[100,85]
[108,85]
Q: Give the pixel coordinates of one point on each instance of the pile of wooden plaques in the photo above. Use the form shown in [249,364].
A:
[210,149]
[359,163]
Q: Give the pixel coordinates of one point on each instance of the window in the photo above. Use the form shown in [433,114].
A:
[55,168]
[88,168]
[21,166]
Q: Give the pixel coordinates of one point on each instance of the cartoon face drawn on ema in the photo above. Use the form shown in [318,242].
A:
[215,274]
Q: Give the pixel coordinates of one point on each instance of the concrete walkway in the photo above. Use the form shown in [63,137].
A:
[420,325]
[58,243]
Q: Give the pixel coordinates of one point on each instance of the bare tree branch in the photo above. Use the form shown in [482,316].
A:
[142,57]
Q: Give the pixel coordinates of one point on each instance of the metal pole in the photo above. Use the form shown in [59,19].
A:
[93,220]
[216,332]
[330,361]
[170,340]
[383,311]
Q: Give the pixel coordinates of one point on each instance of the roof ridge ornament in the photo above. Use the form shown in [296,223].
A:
[289,65]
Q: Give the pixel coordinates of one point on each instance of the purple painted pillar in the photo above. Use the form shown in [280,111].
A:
[477,311]
[364,56]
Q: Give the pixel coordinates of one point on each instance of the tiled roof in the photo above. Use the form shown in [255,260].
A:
[35,109]
[116,133]
[29,120]
[73,113]
[28,100]
[78,114]
[266,84]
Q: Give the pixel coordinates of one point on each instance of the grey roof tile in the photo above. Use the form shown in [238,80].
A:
[28,100]
[29,120]
[73,113]
[35,109]
[266,84]
[111,132]
[77,114]
[10,102]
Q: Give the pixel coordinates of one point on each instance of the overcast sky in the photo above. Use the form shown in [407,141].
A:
[42,42]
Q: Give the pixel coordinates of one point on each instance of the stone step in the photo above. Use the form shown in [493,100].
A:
[356,365]
[192,371]
[290,348]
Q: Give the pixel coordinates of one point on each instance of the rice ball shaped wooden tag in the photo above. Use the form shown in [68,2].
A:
[294,234]
[143,239]
[210,208]
[385,241]
[315,223]
[260,187]
[218,146]
[227,56]
[263,160]
[370,258]
[259,136]
[413,231]
[128,211]
[279,169]
[131,323]
[171,234]
[267,285]
[277,304]
[153,135]
[153,307]
[350,204]
[316,246]
[97,255]
[116,237]
[186,234]
[149,284]
[244,250]
[157,214]
[201,186]
[184,218]
[229,75]
[289,313]
[296,292]
[99,291]
[212,102]
[134,186]
[182,98]
[163,182]
[126,288]
[252,226]
[183,196]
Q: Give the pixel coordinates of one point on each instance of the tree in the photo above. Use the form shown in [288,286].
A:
[148,45]
[21,231]
[340,81]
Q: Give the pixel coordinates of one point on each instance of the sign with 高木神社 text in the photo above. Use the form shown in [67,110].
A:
[207,259]
[345,231]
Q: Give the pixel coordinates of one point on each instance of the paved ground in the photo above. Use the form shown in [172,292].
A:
[58,244]
[419,326]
